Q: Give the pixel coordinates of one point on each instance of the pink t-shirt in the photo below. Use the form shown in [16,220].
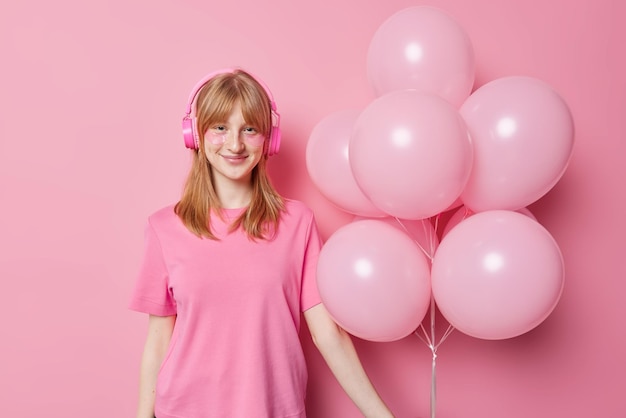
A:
[235,350]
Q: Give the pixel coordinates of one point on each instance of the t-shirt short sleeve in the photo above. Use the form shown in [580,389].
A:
[152,294]
[310,295]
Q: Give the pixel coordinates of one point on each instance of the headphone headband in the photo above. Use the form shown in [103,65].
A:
[190,134]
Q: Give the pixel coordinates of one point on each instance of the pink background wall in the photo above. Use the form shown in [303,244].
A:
[92,93]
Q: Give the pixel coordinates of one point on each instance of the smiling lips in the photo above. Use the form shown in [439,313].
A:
[234,158]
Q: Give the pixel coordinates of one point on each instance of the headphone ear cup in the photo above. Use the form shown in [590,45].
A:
[273,145]
[274,142]
[188,134]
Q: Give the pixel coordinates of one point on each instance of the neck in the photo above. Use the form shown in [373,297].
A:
[235,196]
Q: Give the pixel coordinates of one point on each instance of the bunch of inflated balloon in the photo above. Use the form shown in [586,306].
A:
[427,145]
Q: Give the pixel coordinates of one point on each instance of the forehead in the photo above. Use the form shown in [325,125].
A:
[235,113]
[226,111]
[237,109]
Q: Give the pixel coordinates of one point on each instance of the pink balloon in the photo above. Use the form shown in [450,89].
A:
[329,168]
[410,154]
[422,48]
[374,281]
[464,212]
[497,275]
[523,136]
[421,231]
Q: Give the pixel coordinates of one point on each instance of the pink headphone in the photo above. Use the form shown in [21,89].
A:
[190,134]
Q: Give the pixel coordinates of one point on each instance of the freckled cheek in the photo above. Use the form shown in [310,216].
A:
[255,140]
[215,138]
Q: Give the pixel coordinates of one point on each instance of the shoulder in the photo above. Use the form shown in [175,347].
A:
[167,227]
[299,218]
[296,208]
[163,217]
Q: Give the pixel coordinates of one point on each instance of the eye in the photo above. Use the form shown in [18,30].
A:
[218,128]
[250,130]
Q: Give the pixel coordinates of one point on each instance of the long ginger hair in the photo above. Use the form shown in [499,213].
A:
[199,201]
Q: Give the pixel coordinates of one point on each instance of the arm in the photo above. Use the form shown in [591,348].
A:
[337,349]
[160,330]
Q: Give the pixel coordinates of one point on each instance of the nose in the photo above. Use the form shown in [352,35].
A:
[235,142]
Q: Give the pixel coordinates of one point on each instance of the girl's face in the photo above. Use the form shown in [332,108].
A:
[233,148]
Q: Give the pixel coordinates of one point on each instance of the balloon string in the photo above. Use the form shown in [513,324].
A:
[432,318]
[433,386]
[426,253]
[429,338]
[425,339]
[433,373]
[432,235]
[445,336]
